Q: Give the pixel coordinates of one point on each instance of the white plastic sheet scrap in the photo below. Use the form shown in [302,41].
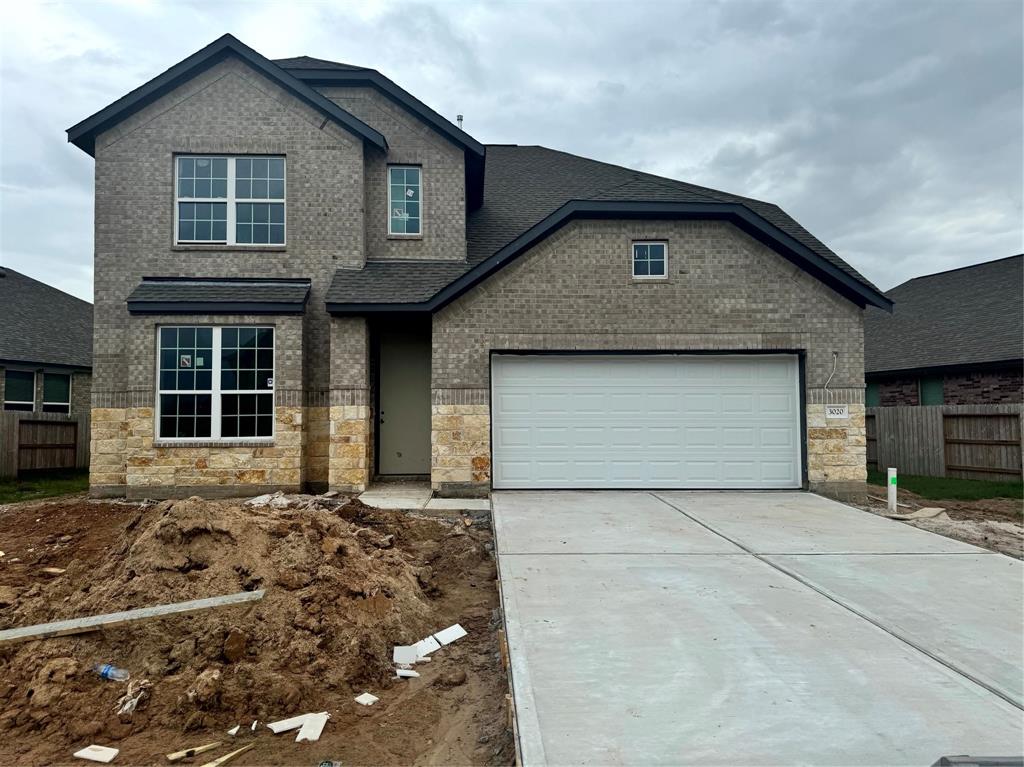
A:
[292,723]
[312,727]
[234,730]
[98,753]
[450,634]
[404,655]
[426,646]
[367,699]
[407,673]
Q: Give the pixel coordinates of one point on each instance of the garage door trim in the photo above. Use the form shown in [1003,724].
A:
[799,354]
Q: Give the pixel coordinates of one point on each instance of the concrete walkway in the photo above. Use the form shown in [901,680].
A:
[415,494]
[752,628]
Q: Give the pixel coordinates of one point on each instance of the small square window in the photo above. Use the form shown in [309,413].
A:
[650,260]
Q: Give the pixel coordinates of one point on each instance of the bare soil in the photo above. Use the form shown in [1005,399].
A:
[991,523]
[344,583]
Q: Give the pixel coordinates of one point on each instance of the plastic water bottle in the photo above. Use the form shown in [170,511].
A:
[108,671]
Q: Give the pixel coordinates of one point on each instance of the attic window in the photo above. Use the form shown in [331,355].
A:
[404,203]
[650,260]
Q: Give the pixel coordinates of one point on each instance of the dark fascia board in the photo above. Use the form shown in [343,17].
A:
[4,362]
[475,152]
[214,307]
[933,370]
[741,216]
[83,135]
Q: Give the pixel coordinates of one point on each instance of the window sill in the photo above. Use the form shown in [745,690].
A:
[648,280]
[214,443]
[233,248]
[405,236]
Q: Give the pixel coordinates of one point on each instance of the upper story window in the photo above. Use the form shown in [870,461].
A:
[230,200]
[650,260]
[404,203]
[56,393]
[19,390]
[215,383]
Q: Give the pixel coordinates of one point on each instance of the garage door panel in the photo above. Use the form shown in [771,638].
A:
[671,421]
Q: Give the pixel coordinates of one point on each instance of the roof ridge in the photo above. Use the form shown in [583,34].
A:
[956,269]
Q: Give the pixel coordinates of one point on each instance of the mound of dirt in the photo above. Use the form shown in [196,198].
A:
[344,583]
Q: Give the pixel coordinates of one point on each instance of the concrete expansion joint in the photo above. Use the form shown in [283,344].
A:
[835,600]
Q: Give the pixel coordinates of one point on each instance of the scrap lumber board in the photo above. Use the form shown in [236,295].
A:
[112,620]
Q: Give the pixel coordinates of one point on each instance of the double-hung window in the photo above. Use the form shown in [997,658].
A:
[404,204]
[215,383]
[650,260]
[19,390]
[229,200]
[56,393]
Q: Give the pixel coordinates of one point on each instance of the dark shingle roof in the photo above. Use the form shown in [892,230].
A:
[42,324]
[162,295]
[525,184]
[960,317]
[309,62]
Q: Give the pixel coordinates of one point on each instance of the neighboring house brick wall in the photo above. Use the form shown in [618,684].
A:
[81,388]
[899,391]
[443,177]
[574,291]
[228,109]
[994,387]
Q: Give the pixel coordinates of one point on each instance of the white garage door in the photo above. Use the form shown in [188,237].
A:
[660,421]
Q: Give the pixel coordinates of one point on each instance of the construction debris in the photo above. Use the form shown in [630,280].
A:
[138,690]
[292,723]
[229,756]
[111,620]
[404,655]
[426,646]
[234,730]
[177,756]
[312,727]
[450,634]
[406,673]
[95,753]
[341,589]
[366,699]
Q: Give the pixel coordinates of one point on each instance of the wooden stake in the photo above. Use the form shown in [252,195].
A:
[113,620]
[177,756]
[229,756]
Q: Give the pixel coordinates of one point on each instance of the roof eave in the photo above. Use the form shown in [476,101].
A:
[83,134]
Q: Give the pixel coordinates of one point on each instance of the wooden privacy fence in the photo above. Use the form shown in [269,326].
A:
[39,441]
[965,441]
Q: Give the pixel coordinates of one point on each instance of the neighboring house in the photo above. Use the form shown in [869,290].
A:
[45,347]
[953,338]
[305,277]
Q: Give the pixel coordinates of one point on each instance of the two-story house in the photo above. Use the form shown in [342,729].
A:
[305,277]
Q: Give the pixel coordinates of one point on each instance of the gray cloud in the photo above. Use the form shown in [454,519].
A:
[892,130]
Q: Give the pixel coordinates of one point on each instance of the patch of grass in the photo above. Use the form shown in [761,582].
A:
[43,485]
[937,488]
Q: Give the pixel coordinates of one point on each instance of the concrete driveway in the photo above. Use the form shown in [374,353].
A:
[752,628]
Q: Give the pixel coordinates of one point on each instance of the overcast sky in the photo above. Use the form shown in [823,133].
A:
[892,130]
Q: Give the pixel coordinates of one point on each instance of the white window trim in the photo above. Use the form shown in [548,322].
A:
[632,260]
[35,383]
[231,202]
[387,184]
[71,382]
[215,391]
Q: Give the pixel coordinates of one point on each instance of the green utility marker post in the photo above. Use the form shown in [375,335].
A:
[892,486]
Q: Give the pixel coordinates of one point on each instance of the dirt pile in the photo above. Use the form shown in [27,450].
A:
[344,583]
